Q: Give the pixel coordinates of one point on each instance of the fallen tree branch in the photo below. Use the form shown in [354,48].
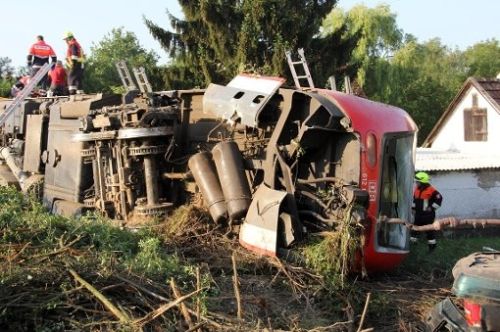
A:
[236,285]
[58,251]
[196,327]
[110,306]
[12,258]
[164,308]
[182,306]
[365,309]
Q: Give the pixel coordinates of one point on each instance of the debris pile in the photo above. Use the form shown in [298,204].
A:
[86,274]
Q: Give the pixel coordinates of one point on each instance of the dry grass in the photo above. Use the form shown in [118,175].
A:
[132,270]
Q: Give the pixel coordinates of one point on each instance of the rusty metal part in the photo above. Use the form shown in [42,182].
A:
[153,210]
[233,179]
[203,169]
[128,133]
[146,150]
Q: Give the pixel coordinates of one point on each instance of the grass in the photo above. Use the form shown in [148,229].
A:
[37,249]
[99,251]
[444,257]
[402,299]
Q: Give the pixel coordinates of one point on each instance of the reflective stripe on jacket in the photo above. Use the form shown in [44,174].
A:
[74,52]
[40,53]
[426,200]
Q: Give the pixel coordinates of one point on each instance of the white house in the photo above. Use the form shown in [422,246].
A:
[472,120]
[462,152]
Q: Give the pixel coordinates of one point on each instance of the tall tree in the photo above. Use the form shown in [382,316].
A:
[219,38]
[6,79]
[420,78]
[100,72]
[483,59]
[375,30]
[6,68]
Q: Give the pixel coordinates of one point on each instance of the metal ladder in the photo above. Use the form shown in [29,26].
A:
[302,61]
[128,83]
[142,80]
[25,92]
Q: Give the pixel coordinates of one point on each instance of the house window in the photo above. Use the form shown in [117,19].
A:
[475,122]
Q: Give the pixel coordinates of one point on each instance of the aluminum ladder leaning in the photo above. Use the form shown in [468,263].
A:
[24,93]
[305,68]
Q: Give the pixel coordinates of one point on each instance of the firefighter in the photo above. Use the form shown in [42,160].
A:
[39,54]
[19,85]
[74,63]
[58,80]
[426,200]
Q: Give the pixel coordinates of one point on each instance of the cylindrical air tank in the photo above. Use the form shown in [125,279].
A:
[203,169]
[229,164]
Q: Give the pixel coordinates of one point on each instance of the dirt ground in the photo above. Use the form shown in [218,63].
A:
[46,259]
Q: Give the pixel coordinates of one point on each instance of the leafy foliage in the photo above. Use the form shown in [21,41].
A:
[420,78]
[483,59]
[396,69]
[6,68]
[6,79]
[218,39]
[101,74]
[375,30]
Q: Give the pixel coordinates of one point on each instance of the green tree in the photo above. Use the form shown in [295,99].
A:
[375,30]
[100,71]
[420,78]
[483,59]
[6,69]
[6,79]
[219,38]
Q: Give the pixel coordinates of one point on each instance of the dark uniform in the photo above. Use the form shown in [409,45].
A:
[74,61]
[426,200]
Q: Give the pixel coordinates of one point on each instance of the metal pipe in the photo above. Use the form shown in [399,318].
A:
[100,177]
[126,164]
[121,181]
[440,224]
[317,180]
[16,170]
[151,174]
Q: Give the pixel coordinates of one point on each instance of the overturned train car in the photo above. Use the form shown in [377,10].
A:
[278,163]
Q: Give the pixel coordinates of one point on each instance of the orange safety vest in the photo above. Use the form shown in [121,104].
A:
[426,201]
[41,50]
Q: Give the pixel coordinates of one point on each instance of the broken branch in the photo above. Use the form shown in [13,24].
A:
[110,306]
[365,309]
[164,308]
[182,306]
[236,286]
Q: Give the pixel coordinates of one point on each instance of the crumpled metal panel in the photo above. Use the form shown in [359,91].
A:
[243,98]
[259,232]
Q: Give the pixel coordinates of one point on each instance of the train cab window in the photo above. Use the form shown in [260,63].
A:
[396,189]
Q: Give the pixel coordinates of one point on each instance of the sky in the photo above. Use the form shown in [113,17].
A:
[458,23]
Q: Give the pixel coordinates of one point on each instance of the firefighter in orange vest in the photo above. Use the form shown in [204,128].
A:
[74,63]
[58,80]
[39,54]
[426,200]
